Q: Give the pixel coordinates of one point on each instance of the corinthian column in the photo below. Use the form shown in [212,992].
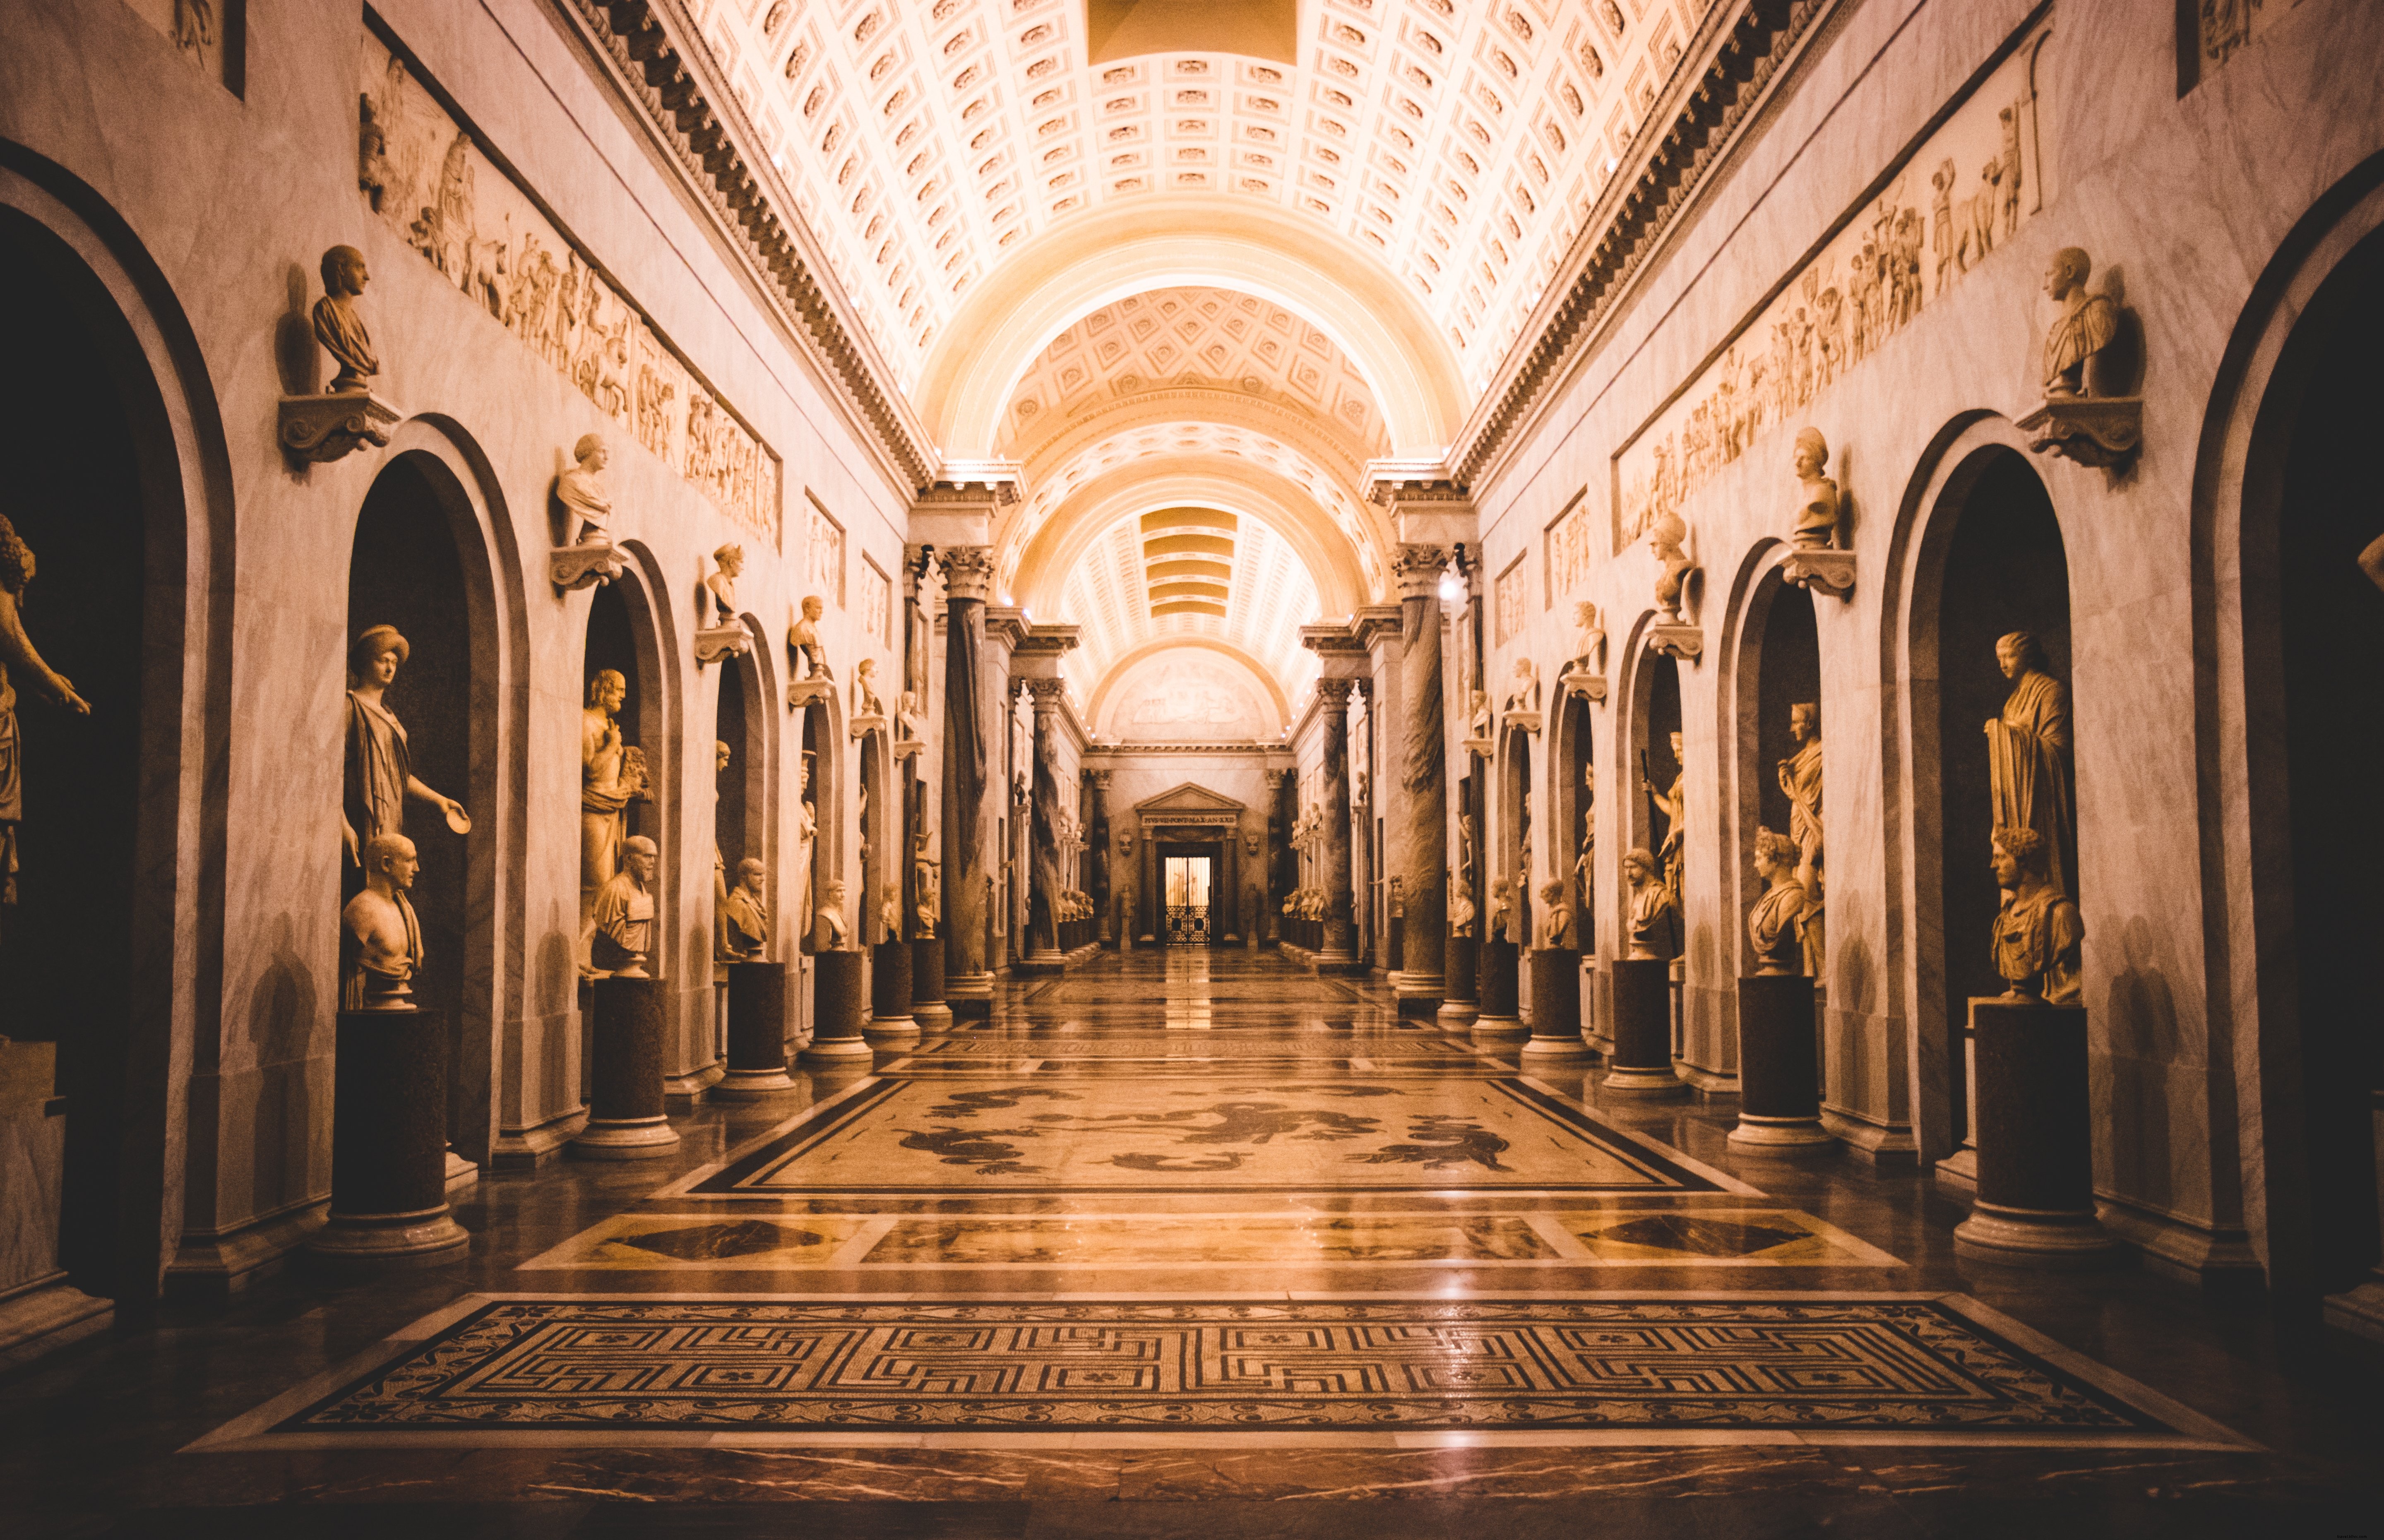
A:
[1423,857]
[969,719]
[1334,696]
[1043,841]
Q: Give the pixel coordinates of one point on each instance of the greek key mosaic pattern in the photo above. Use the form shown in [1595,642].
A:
[1854,1364]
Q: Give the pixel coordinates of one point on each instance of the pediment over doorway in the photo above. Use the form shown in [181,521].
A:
[1187,798]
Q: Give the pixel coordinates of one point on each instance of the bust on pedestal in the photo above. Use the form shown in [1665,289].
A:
[1780,1101]
[1556,984]
[1642,1066]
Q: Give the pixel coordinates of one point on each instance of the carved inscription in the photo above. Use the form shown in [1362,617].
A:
[432,183]
[1947,207]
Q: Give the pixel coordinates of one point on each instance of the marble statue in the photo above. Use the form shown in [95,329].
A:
[1477,718]
[2084,325]
[2371,560]
[1588,639]
[803,639]
[806,829]
[379,774]
[745,918]
[1525,695]
[1654,916]
[1556,916]
[2038,930]
[1673,804]
[623,913]
[380,940]
[19,660]
[928,876]
[828,922]
[1398,899]
[890,910]
[721,755]
[1581,860]
[866,703]
[2028,753]
[1460,903]
[1665,539]
[611,777]
[727,562]
[581,491]
[1800,780]
[1502,909]
[1774,924]
[909,709]
[337,324]
[1816,499]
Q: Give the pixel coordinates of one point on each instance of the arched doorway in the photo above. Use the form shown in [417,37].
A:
[1993,564]
[1777,713]
[416,552]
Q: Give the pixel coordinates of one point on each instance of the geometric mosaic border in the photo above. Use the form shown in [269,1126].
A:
[1590,1367]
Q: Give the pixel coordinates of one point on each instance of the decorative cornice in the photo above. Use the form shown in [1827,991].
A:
[687,103]
[1391,483]
[1745,45]
[974,483]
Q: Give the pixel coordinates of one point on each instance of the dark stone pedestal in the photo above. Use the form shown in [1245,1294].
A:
[2035,1204]
[836,1013]
[890,991]
[1500,997]
[626,1120]
[389,1144]
[1778,1076]
[757,1034]
[1642,1066]
[1555,1007]
[927,1007]
[1396,948]
[1458,1006]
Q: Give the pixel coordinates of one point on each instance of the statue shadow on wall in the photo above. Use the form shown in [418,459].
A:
[2117,370]
[281,1021]
[295,353]
[558,974]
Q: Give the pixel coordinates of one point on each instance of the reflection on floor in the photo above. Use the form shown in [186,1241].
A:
[1198,1227]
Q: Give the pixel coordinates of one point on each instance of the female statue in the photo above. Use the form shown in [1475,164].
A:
[1800,778]
[1673,805]
[17,652]
[379,775]
[611,777]
[2028,754]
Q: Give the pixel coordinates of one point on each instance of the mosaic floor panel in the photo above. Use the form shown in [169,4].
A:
[1126,1133]
[1841,1367]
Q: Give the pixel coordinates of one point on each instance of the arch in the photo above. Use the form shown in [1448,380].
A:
[821,741]
[1516,828]
[1119,666]
[881,838]
[2303,300]
[1060,277]
[1922,971]
[1771,641]
[629,629]
[1573,810]
[133,1093]
[466,669]
[745,814]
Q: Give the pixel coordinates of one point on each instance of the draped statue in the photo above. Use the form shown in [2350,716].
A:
[16,651]
[612,774]
[1800,778]
[378,775]
[2028,757]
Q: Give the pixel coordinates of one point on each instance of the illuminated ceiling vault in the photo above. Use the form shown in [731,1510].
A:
[1283,238]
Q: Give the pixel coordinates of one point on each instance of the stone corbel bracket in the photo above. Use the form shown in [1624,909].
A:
[1527,720]
[907,747]
[570,568]
[1582,682]
[318,430]
[1483,746]
[862,727]
[808,693]
[1817,569]
[716,643]
[2094,430]
[1676,640]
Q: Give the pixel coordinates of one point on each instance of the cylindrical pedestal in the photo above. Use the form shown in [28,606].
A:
[1396,948]
[837,1012]
[757,1033]
[1643,1031]
[927,1007]
[389,1143]
[1779,1079]
[1501,988]
[2035,1204]
[1458,1006]
[1555,1007]
[624,1103]
[890,992]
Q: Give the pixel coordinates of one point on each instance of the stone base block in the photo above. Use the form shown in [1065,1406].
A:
[1642,1066]
[40,1319]
[423,1238]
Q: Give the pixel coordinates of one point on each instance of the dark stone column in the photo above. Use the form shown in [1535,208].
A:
[1779,1079]
[1423,775]
[1042,953]
[757,1033]
[626,1119]
[837,1012]
[389,1143]
[1097,858]
[1556,1003]
[890,990]
[927,1007]
[1338,954]
[1500,997]
[2035,1204]
[1642,1066]
[969,721]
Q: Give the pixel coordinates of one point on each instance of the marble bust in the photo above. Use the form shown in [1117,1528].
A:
[380,940]
[745,917]
[1555,917]
[624,912]
[2082,327]
[1654,919]
[1589,639]
[2038,931]
[1665,541]
[338,327]
[1817,498]
[1460,903]
[890,910]
[727,562]
[1502,908]
[1773,924]
[1525,695]
[866,703]
[829,924]
[803,639]
[581,491]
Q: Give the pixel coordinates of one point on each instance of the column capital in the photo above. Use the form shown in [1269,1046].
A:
[1418,568]
[1274,779]
[1335,693]
[1047,693]
[968,572]
[1101,778]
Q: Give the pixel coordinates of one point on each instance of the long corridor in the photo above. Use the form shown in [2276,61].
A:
[1195,1225]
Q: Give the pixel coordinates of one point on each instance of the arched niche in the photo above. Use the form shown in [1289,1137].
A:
[1519,825]
[881,839]
[628,633]
[1573,810]
[820,733]
[1779,668]
[1990,560]
[744,815]
[120,483]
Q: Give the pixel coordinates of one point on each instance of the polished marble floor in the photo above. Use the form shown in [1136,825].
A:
[1193,1243]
